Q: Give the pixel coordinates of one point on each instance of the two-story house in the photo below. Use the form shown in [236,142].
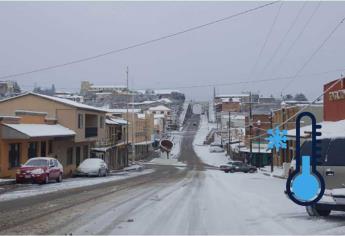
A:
[87,122]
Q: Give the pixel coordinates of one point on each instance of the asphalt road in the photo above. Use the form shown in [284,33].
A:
[171,200]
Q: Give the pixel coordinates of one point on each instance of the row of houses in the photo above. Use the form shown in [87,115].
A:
[247,120]
[33,124]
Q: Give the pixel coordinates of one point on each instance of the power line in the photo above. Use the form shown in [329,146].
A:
[301,32]
[77,61]
[284,37]
[305,107]
[272,79]
[313,54]
[266,40]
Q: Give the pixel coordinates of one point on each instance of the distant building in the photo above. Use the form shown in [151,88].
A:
[9,88]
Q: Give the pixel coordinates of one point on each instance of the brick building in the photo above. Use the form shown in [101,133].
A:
[334,100]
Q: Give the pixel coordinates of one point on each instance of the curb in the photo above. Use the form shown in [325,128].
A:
[7,182]
[276,176]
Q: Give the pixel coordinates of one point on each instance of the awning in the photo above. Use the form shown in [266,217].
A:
[26,131]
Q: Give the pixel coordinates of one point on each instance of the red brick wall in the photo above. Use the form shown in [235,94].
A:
[334,104]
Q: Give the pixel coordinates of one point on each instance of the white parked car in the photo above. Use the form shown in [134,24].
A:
[92,167]
[216,149]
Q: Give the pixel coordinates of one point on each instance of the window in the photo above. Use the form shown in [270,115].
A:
[335,153]
[32,150]
[14,155]
[80,121]
[101,122]
[70,156]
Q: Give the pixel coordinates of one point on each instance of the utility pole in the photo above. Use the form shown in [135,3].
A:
[271,120]
[133,128]
[229,143]
[127,98]
[250,126]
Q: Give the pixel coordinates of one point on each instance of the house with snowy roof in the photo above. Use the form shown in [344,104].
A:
[87,123]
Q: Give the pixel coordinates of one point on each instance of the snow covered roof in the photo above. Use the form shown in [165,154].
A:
[122,110]
[254,150]
[165,100]
[112,121]
[329,129]
[101,149]
[59,100]
[232,95]
[41,130]
[142,103]
[159,108]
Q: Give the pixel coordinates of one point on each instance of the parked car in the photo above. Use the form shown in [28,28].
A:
[216,149]
[92,167]
[226,167]
[331,165]
[237,166]
[40,170]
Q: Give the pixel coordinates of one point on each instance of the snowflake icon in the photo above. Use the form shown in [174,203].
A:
[277,139]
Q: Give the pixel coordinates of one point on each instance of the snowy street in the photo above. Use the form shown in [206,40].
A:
[170,200]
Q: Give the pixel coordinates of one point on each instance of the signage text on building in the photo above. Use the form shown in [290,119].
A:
[337,95]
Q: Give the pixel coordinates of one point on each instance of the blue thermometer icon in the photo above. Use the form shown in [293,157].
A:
[305,186]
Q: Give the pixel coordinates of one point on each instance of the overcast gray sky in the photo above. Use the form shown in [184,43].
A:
[40,34]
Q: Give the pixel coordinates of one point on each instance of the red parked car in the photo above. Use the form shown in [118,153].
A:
[40,170]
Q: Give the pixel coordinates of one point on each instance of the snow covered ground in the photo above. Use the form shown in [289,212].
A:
[277,171]
[208,202]
[213,159]
[29,190]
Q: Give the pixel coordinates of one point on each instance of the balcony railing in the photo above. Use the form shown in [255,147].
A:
[91,132]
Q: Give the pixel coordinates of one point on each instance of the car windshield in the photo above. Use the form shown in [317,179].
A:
[37,162]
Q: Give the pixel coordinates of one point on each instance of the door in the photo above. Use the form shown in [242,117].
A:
[77,156]
[52,170]
[43,149]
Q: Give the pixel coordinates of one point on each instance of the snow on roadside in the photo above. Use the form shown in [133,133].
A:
[35,189]
[277,171]
[213,159]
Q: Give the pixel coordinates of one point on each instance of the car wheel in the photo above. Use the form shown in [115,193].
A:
[226,171]
[59,179]
[99,173]
[251,171]
[314,212]
[232,171]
